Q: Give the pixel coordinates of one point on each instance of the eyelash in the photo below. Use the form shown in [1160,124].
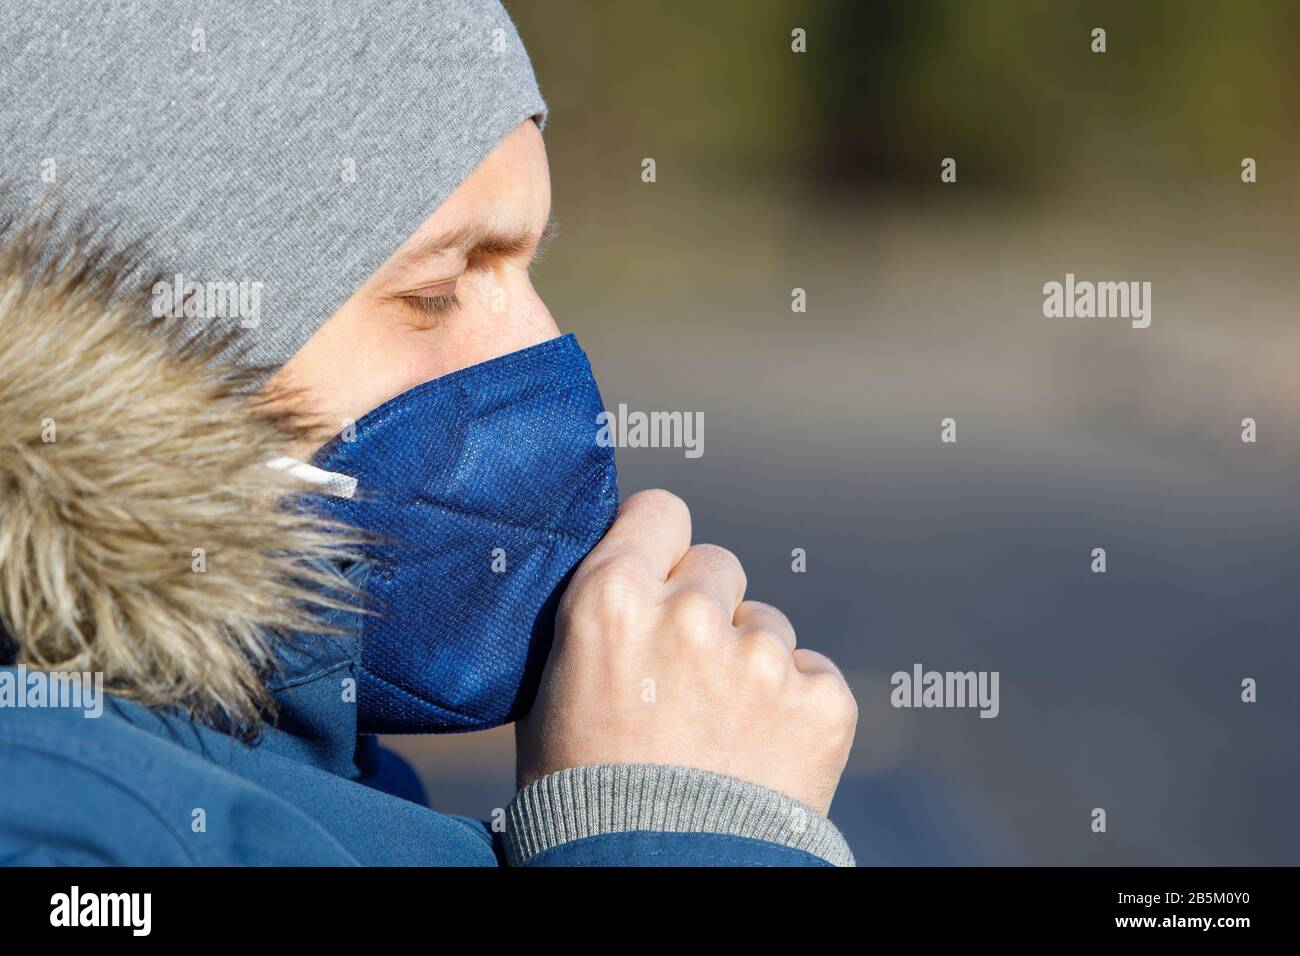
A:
[432,304]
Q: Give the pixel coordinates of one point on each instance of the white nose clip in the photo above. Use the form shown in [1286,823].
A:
[331,482]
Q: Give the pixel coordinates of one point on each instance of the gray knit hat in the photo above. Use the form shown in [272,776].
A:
[295,145]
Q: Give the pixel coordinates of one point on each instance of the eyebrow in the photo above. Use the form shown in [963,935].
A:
[477,239]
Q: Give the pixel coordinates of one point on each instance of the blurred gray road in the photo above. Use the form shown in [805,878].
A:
[1119,690]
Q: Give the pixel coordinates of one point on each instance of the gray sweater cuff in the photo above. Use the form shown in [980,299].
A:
[617,798]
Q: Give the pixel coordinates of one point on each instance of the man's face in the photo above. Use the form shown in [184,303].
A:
[457,292]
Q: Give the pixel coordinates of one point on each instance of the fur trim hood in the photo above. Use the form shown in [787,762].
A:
[141,533]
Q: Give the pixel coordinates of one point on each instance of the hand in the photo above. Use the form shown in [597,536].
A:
[657,659]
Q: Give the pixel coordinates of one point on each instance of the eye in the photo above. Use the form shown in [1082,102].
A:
[439,304]
[431,301]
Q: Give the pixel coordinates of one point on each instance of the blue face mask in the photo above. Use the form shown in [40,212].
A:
[488,487]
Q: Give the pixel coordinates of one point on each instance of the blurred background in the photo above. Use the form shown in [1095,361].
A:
[820,170]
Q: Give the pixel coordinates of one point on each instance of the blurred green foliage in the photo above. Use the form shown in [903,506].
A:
[1009,87]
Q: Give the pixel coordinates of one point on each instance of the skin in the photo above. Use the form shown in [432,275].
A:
[383,341]
[732,693]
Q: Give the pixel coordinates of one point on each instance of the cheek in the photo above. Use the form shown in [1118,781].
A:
[373,354]
[366,354]
[377,367]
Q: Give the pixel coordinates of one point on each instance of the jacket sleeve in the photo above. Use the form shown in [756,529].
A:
[655,815]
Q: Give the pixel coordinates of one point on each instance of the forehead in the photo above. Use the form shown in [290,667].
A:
[502,206]
[509,192]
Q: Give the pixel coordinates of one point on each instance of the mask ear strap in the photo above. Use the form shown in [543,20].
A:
[331,482]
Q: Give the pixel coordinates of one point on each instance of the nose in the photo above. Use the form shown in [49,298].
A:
[541,323]
[515,315]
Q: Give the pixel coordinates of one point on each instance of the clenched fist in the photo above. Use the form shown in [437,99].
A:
[658,659]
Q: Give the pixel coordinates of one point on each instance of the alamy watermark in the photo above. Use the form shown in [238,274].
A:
[922,688]
[633,429]
[1098,300]
[74,690]
[209,300]
[133,911]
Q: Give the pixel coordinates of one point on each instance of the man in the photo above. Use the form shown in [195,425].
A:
[271,162]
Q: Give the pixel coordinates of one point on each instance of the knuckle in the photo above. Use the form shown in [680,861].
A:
[766,661]
[718,558]
[714,553]
[695,615]
[768,635]
[611,595]
[664,505]
[781,617]
[771,620]
[832,699]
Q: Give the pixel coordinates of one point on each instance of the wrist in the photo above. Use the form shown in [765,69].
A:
[582,802]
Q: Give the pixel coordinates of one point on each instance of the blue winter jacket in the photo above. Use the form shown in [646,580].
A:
[137,787]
